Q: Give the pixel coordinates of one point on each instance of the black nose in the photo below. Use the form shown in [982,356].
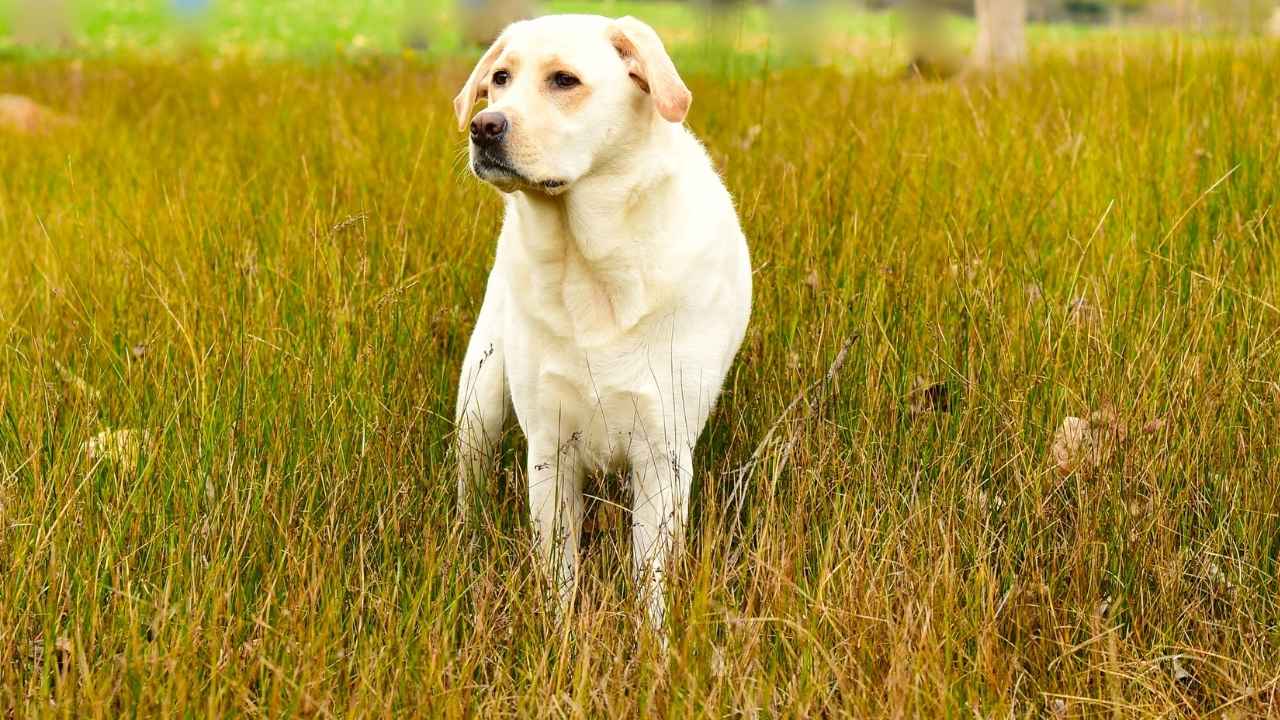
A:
[488,128]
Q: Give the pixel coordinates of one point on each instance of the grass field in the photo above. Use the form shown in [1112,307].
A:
[268,272]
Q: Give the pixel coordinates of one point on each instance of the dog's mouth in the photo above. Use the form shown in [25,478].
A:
[494,167]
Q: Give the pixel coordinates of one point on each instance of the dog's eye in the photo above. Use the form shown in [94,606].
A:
[502,77]
[564,80]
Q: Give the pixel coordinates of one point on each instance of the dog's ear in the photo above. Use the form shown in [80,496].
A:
[650,67]
[478,84]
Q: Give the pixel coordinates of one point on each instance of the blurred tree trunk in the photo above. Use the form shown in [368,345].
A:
[42,23]
[1002,33]
[484,20]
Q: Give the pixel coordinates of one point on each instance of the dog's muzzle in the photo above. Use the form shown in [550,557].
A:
[489,158]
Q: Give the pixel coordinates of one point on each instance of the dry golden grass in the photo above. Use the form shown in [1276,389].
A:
[272,270]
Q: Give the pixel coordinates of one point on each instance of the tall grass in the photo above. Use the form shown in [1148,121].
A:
[273,269]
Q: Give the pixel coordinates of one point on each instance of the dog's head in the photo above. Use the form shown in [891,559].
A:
[566,94]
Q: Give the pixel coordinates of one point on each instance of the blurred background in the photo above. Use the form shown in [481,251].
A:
[235,293]
[928,35]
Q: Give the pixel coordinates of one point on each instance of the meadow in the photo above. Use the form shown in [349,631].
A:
[266,272]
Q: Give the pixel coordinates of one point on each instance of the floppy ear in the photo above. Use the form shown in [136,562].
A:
[650,67]
[478,84]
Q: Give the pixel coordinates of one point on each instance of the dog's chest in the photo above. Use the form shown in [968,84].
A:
[586,334]
[584,301]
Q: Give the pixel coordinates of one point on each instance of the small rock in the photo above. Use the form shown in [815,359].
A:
[1073,445]
[1180,674]
[1087,443]
[122,447]
[27,117]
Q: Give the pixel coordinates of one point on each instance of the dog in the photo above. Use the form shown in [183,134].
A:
[620,290]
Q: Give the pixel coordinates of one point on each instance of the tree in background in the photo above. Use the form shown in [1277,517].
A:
[1002,33]
[1246,16]
[42,23]
[483,20]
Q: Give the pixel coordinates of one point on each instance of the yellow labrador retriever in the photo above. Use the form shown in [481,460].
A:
[621,287]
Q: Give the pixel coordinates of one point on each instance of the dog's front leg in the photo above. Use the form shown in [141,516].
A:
[660,481]
[555,510]
[484,402]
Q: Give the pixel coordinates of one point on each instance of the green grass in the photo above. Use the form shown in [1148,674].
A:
[274,267]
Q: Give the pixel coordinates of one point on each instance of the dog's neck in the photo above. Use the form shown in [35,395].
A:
[597,245]
[600,210]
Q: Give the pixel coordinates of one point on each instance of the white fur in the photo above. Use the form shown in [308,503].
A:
[617,300]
